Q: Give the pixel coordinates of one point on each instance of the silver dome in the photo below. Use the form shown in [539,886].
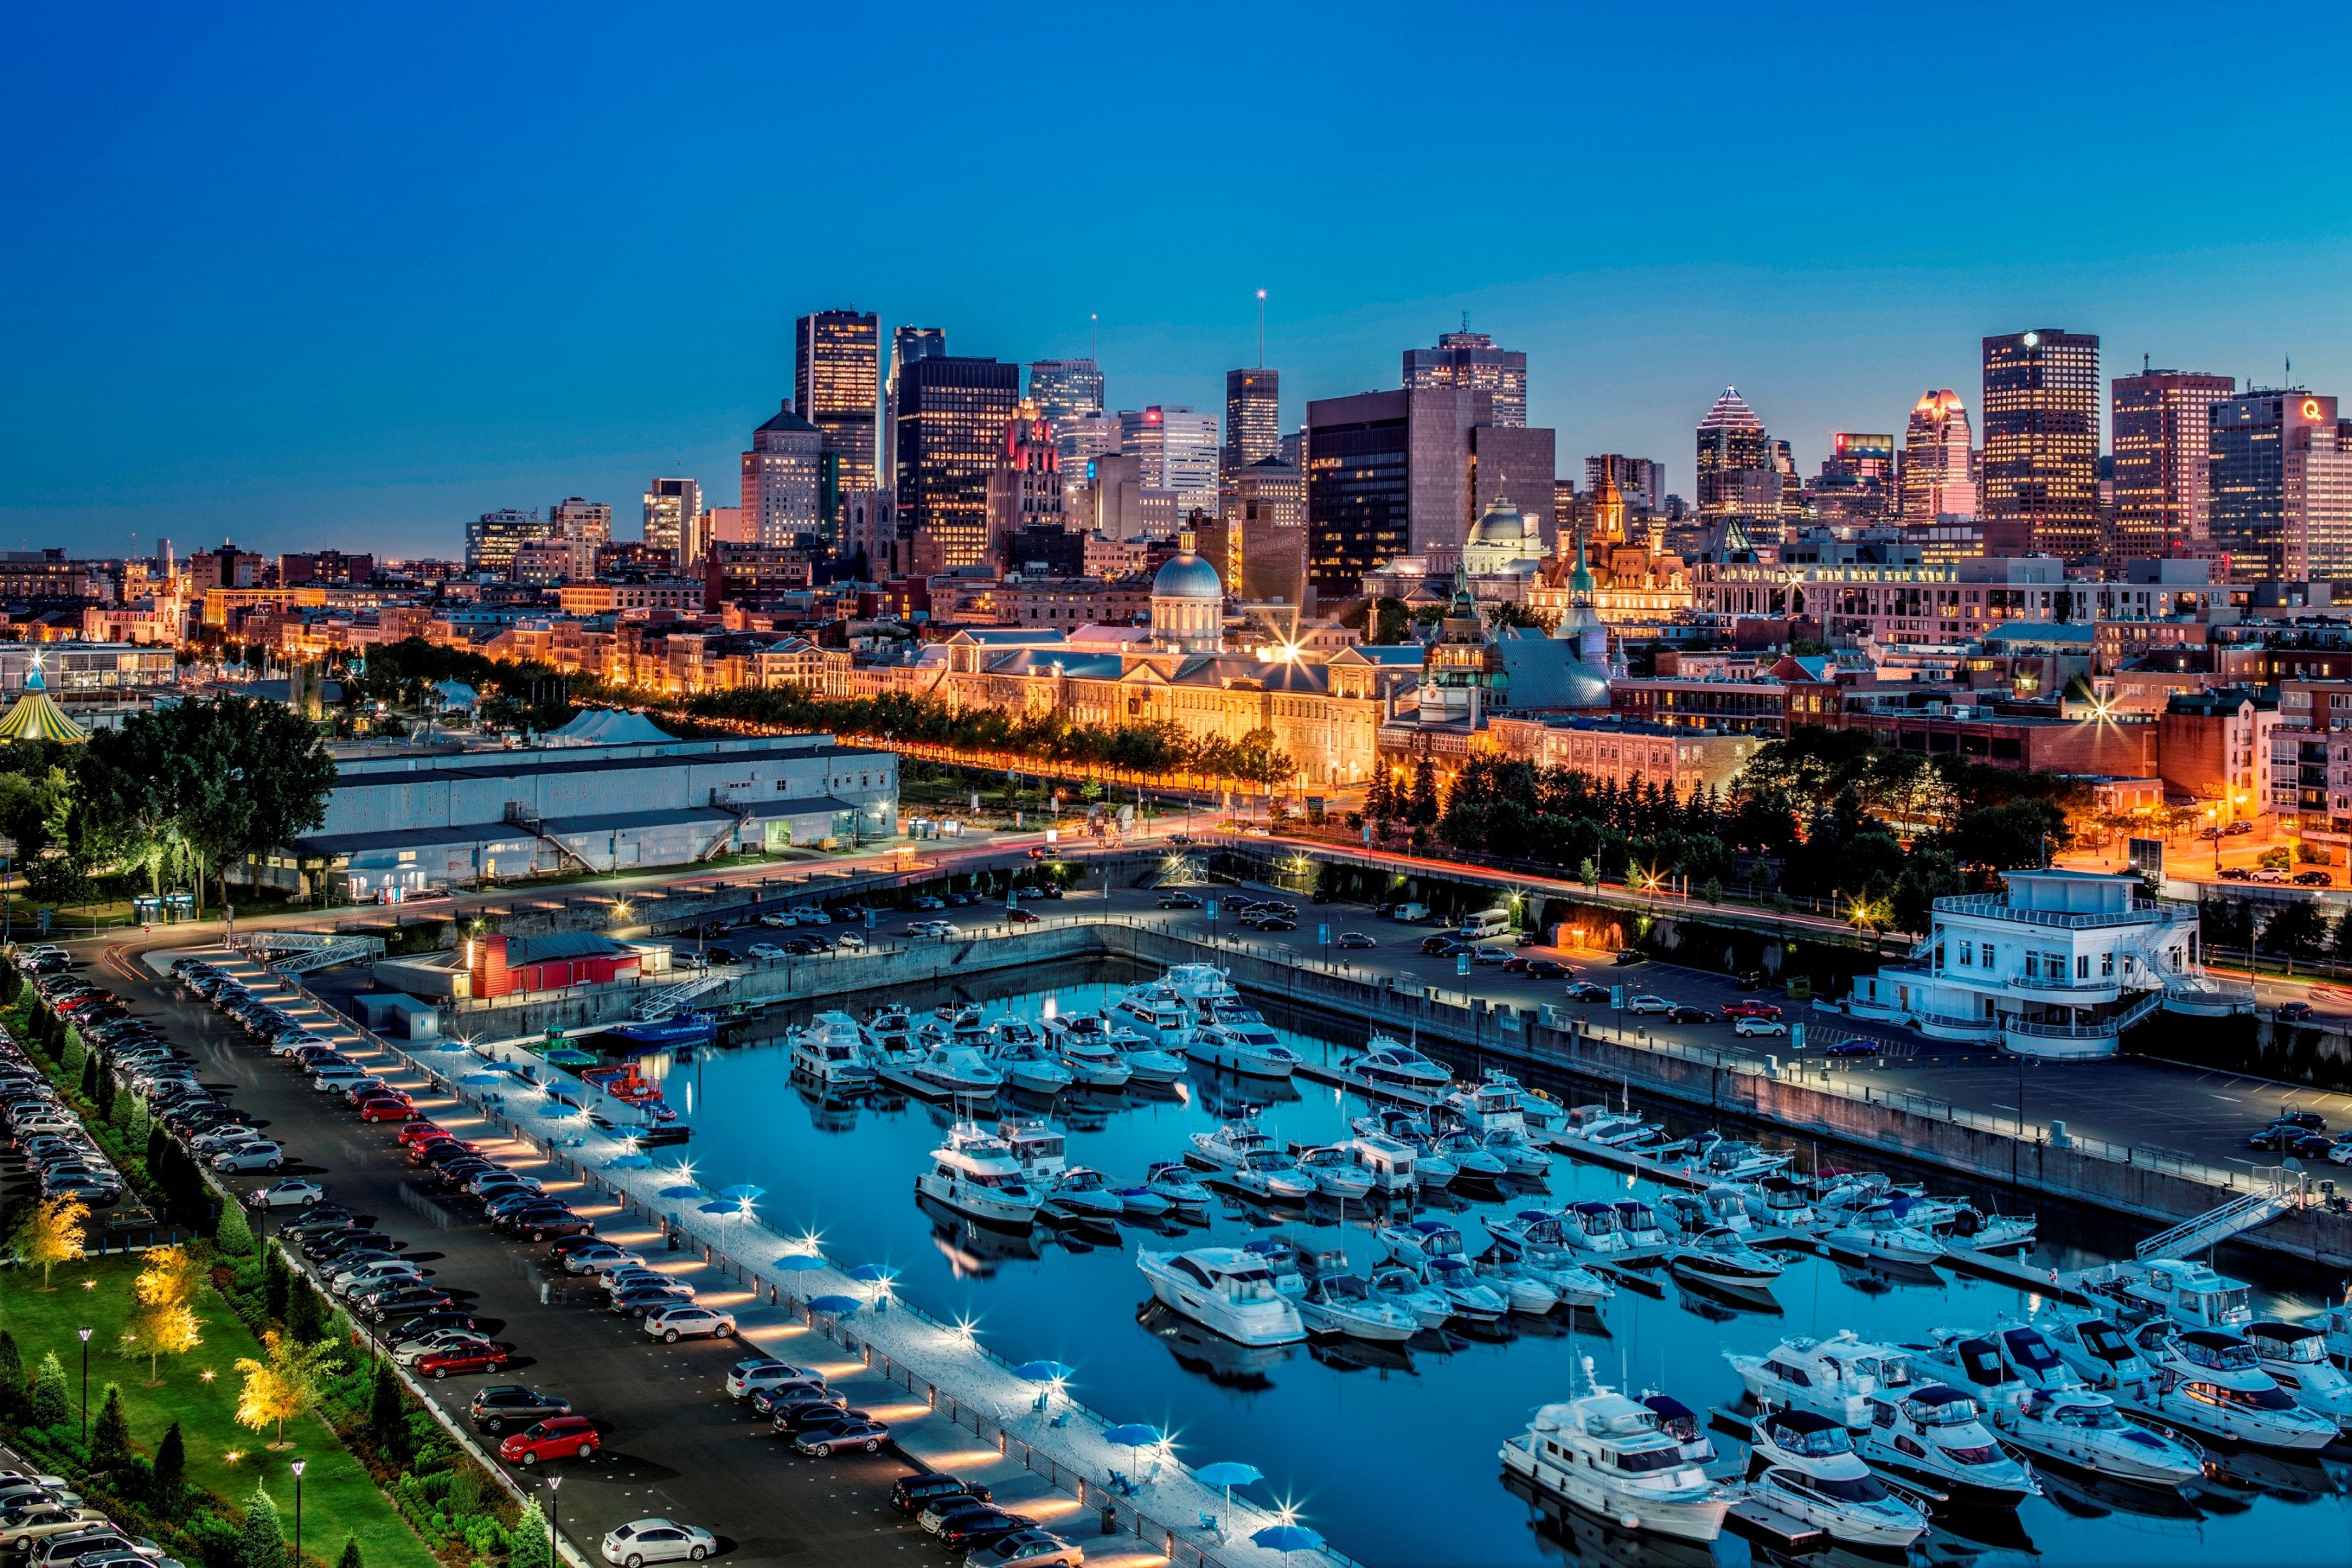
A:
[1187,576]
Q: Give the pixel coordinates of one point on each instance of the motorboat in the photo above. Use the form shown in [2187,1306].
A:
[1338,1300]
[1084,1190]
[1233,1051]
[831,1051]
[678,1030]
[1720,1257]
[1878,1231]
[1974,1231]
[1226,1290]
[1972,1362]
[1471,1160]
[1526,1227]
[1390,1064]
[1605,1453]
[1090,1058]
[891,1025]
[1473,1298]
[1202,984]
[2336,1324]
[1141,1202]
[1147,1063]
[1859,1513]
[1680,1422]
[1396,1125]
[1273,1174]
[1519,1156]
[2296,1355]
[965,1025]
[975,1174]
[1589,1227]
[1935,1432]
[1782,1202]
[1521,1289]
[2095,1351]
[1280,1257]
[959,1070]
[2190,1294]
[1574,1285]
[1231,1143]
[1390,1166]
[1733,1161]
[1021,1054]
[1837,1377]
[1418,1240]
[1175,1180]
[2090,1432]
[1037,1146]
[1602,1126]
[2210,1381]
[1162,1017]
[1403,1287]
[1495,1104]
[1335,1172]
[2033,1361]
[1638,1223]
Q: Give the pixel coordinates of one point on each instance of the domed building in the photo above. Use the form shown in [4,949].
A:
[1499,543]
[1187,603]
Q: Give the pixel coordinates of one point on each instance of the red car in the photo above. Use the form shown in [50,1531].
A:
[557,1438]
[386,1108]
[418,1130]
[1021,917]
[1752,1010]
[462,1358]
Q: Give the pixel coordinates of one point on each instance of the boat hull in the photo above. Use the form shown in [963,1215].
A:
[976,1203]
[1698,1519]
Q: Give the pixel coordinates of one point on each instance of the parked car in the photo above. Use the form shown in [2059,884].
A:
[1749,1025]
[867,1435]
[1586,992]
[1645,1002]
[557,1438]
[1629,955]
[1683,1012]
[594,1256]
[656,1540]
[912,1494]
[1021,916]
[1434,946]
[2234,873]
[850,942]
[408,1352]
[262,1156]
[1179,901]
[406,1299]
[2312,878]
[1025,1548]
[1858,1046]
[746,1377]
[294,1192]
[764,952]
[1746,1009]
[20,1528]
[480,1356]
[687,1321]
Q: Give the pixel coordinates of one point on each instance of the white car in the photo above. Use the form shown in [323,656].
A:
[288,1044]
[850,942]
[361,1281]
[1646,1003]
[291,1193]
[928,928]
[1026,1549]
[778,922]
[408,1352]
[746,1378]
[656,1540]
[807,916]
[259,1155]
[764,952]
[236,1135]
[1758,1026]
[671,1325]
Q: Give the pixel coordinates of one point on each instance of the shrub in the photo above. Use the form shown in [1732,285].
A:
[261,1542]
[50,1406]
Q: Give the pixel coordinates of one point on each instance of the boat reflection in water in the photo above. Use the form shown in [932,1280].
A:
[973,1251]
[1226,1363]
[1346,1355]
[2088,1496]
[833,1112]
[1591,1541]
[1232,1095]
[1726,1303]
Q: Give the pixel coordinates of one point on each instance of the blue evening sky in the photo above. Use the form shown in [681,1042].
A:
[312,276]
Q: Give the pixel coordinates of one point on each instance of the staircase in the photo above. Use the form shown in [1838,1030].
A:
[1177,871]
[2216,1225]
[670,998]
[520,814]
[307,951]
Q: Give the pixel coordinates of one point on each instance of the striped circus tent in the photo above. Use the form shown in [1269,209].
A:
[36,715]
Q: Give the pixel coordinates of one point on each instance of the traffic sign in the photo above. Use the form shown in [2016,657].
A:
[1616,996]
[1323,935]
[1461,963]
[1797,1037]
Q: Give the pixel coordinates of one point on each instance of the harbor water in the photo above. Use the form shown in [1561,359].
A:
[1392,1451]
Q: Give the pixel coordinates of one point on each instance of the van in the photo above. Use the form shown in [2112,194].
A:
[1409,912]
[1485,924]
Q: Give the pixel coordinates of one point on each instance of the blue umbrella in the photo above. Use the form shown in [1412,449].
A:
[834,1303]
[685,1189]
[479,1078]
[1042,1371]
[1134,1436]
[1287,1538]
[1228,1473]
[874,1273]
[743,1192]
[801,1263]
[451,1046]
[629,1162]
[715,1208]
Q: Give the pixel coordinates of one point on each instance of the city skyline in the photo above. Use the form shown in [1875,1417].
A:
[363,329]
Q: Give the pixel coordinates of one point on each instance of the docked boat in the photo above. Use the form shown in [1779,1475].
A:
[831,1051]
[2190,1294]
[1639,1224]
[1273,1174]
[1400,1286]
[959,1072]
[1418,1240]
[1878,1231]
[1575,1285]
[1232,1143]
[2095,1351]
[1082,1189]
[975,1174]
[1147,1063]
[1605,1453]
[1175,1180]
[1837,1377]
[1935,1432]
[1087,1055]
[2212,1381]
[1159,1016]
[1470,1159]
[1782,1202]
[1729,1160]
[1391,1064]
[2296,1355]
[1519,1153]
[1973,1364]
[1252,1054]
[1202,984]
[1601,1125]
[1680,1422]
[1391,1167]
[1335,1172]
[1974,1231]
[1473,1298]
[2031,1359]
[1522,1289]
[1496,1104]
[1139,1201]
[1226,1290]
[1805,1466]
[891,1025]
[1338,1300]
[1019,1050]
[682,1028]
[965,1025]
[1037,1148]
[2091,1432]
[1720,1257]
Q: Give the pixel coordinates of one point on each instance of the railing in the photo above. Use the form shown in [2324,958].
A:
[2063,984]
[1997,907]
[2238,1215]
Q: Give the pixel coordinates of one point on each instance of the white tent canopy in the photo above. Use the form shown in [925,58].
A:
[606,726]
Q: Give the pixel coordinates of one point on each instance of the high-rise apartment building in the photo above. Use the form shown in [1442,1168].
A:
[781,476]
[2281,477]
[1398,473]
[1177,448]
[1641,482]
[492,538]
[1936,477]
[2161,423]
[588,521]
[673,508]
[836,372]
[1025,490]
[1738,478]
[1469,361]
[951,419]
[1064,390]
[907,344]
[2039,488]
[1253,418]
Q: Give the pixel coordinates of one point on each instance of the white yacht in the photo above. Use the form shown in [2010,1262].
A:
[1147,1063]
[1162,1017]
[1935,1433]
[958,1071]
[1836,1377]
[1473,1298]
[1021,1054]
[1141,1202]
[1732,1161]
[1720,1257]
[1495,1104]
[1590,1229]
[1878,1231]
[1226,1290]
[1232,1143]
[1471,1159]
[1519,1156]
[1389,1063]
[2210,1381]
[1718,1208]
[892,1026]
[1638,1223]
[951,1024]
[2190,1294]
[2095,1351]
[1680,1422]
[831,1050]
[1391,1167]
[1336,1301]
[1971,1363]
[1521,1288]
[1274,1175]
[1782,1202]
[1175,1180]
[1417,1242]
[1974,1231]
[1604,1453]
[1088,1055]
[975,1174]
[1037,1148]
[2296,1355]
[1825,1483]
[2029,1357]
[1403,1287]
[1335,1172]
[2088,1431]
[1215,1045]
[1084,1190]
[1202,984]
[1601,1125]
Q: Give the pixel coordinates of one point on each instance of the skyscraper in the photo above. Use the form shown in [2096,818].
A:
[587,527]
[2162,425]
[951,419]
[1737,479]
[1253,418]
[673,507]
[492,539]
[1025,490]
[1470,361]
[1177,448]
[2040,485]
[1641,482]
[2281,471]
[836,369]
[1395,473]
[1936,455]
[907,344]
[781,476]
[1064,390]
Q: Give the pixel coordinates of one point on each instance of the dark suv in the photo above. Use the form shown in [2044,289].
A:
[511,1405]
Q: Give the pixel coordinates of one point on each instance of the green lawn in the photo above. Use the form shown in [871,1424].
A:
[338,1497]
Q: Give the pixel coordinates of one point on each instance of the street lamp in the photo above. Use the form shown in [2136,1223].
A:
[553,1555]
[85,1384]
[297,1467]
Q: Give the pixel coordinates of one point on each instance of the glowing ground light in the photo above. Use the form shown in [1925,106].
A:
[233,1456]
[207,1375]
[90,1284]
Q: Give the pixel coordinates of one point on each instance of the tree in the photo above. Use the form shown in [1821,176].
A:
[235,1236]
[387,1418]
[14,1383]
[109,1435]
[171,1469]
[351,1557]
[165,1322]
[51,1407]
[2296,931]
[1420,809]
[284,1386]
[52,1234]
[531,1547]
[277,1287]
[261,1541]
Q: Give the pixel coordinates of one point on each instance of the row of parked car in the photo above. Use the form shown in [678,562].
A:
[53,1140]
[44,1522]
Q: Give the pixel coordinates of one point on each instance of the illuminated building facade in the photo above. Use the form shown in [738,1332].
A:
[1469,361]
[1177,447]
[1738,480]
[1936,461]
[781,476]
[1026,491]
[907,344]
[1253,418]
[673,518]
[952,415]
[2040,489]
[2278,504]
[2162,424]
[836,382]
[1642,482]
[492,538]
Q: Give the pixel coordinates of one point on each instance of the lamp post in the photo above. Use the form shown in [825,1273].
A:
[85,1334]
[553,1555]
[297,1467]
